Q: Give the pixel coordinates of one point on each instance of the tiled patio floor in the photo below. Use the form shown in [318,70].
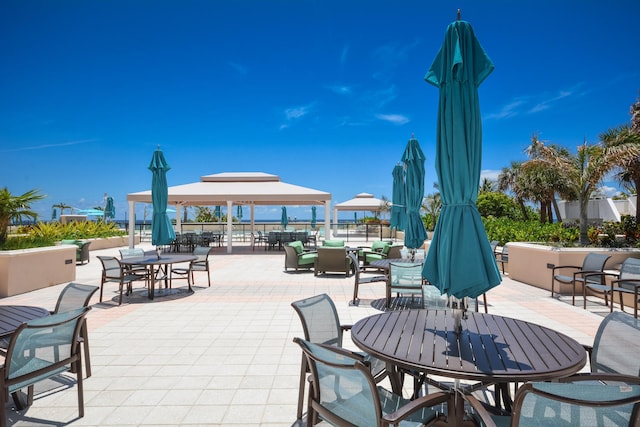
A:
[224,355]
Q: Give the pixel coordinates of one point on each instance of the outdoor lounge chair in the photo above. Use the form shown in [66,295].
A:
[321,324]
[82,251]
[579,400]
[40,349]
[360,279]
[616,346]
[332,259]
[295,256]
[404,278]
[625,281]
[114,271]
[199,264]
[592,263]
[73,297]
[343,392]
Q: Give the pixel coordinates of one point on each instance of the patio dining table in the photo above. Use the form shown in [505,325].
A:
[490,349]
[151,260]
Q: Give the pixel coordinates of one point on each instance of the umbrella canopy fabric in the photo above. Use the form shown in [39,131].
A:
[54,213]
[284,219]
[161,229]
[218,213]
[313,217]
[460,261]
[398,203]
[239,212]
[110,209]
[413,158]
[89,212]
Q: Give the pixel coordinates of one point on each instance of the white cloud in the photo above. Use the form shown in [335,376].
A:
[489,174]
[40,147]
[397,119]
[506,111]
[297,112]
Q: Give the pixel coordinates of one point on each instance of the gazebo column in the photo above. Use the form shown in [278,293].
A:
[335,221]
[229,226]
[178,218]
[252,208]
[132,224]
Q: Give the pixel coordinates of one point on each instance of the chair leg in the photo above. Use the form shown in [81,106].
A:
[84,333]
[484,301]
[303,374]
[80,386]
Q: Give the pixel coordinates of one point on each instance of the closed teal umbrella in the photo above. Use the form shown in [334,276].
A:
[284,220]
[218,213]
[239,212]
[109,209]
[413,158]
[161,229]
[460,261]
[313,217]
[398,203]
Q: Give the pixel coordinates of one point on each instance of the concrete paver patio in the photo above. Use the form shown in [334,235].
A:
[224,355]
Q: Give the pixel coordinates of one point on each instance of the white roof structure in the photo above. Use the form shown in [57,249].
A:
[361,202]
[236,188]
[240,188]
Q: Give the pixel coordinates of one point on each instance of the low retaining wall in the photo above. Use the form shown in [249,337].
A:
[111,242]
[532,263]
[26,270]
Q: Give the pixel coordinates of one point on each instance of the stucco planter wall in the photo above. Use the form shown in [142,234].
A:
[111,242]
[26,270]
[528,263]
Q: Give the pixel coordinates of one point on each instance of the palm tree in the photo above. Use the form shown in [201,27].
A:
[486,185]
[585,170]
[62,207]
[16,207]
[508,180]
[385,206]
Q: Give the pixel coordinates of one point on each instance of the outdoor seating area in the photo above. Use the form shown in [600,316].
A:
[216,377]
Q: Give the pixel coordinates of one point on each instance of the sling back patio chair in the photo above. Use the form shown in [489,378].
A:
[199,264]
[502,257]
[404,278]
[580,400]
[73,297]
[321,324]
[114,271]
[592,263]
[624,281]
[40,349]
[359,278]
[343,392]
[616,346]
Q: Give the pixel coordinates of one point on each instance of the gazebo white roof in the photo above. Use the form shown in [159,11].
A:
[361,202]
[240,188]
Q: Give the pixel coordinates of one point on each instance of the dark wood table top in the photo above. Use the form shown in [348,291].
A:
[12,316]
[383,264]
[490,348]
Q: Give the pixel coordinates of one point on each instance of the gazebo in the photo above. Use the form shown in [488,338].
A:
[361,202]
[235,188]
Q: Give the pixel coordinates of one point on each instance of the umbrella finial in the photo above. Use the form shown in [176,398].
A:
[413,135]
[158,146]
[458,14]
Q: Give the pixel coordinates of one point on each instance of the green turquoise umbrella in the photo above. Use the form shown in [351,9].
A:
[313,217]
[54,214]
[413,158]
[109,209]
[460,261]
[218,213]
[284,219]
[398,204]
[161,229]
[239,212]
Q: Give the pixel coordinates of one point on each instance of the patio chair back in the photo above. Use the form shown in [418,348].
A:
[40,349]
[629,272]
[404,278]
[594,262]
[320,321]
[589,400]
[131,252]
[344,392]
[74,296]
[617,345]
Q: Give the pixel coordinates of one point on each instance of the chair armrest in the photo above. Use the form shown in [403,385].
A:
[558,267]
[589,349]
[632,282]
[405,411]
[600,274]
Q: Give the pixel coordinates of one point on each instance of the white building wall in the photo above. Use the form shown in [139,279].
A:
[598,209]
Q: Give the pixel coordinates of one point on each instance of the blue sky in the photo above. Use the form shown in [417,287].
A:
[323,93]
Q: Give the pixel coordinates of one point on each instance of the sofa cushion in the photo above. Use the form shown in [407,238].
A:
[298,246]
[69,242]
[333,243]
[380,246]
[306,259]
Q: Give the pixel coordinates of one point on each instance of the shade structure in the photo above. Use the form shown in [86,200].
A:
[239,212]
[109,209]
[413,158]
[161,229]
[460,261]
[284,219]
[398,203]
[313,217]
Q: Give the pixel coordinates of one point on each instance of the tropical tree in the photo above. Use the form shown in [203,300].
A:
[385,207]
[16,207]
[508,181]
[486,185]
[204,214]
[584,171]
[431,205]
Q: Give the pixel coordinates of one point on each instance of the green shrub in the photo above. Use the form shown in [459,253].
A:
[507,230]
[26,242]
[47,233]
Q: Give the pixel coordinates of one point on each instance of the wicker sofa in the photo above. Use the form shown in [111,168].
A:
[332,259]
